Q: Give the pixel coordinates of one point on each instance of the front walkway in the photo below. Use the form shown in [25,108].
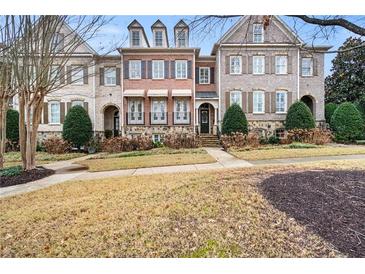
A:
[66,170]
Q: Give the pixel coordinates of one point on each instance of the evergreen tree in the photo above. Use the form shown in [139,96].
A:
[234,120]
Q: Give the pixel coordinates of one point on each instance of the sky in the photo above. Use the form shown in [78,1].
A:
[115,33]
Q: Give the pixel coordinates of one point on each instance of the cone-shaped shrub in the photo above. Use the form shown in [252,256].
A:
[329,109]
[12,125]
[234,120]
[299,116]
[347,123]
[77,127]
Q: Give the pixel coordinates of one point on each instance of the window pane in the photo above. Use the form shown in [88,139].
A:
[157,69]
[307,66]
[258,64]
[55,112]
[158,38]
[181,69]
[236,98]
[77,75]
[77,103]
[110,76]
[281,98]
[258,36]
[135,69]
[135,38]
[281,64]
[235,64]
[258,102]
[181,38]
[204,75]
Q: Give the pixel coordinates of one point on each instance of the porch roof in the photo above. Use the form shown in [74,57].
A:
[181,92]
[157,93]
[206,94]
[134,93]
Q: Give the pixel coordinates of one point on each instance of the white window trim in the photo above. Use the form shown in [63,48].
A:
[182,120]
[139,36]
[159,121]
[240,96]
[163,70]
[262,33]
[50,112]
[178,36]
[135,122]
[186,65]
[130,71]
[77,100]
[311,67]
[204,68]
[263,102]
[154,38]
[253,65]
[276,64]
[285,102]
[73,82]
[105,77]
[230,63]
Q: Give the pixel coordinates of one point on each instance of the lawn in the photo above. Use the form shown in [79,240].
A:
[14,158]
[294,151]
[149,158]
[201,214]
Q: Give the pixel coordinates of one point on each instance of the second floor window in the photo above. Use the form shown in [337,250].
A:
[235,65]
[77,103]
[158,38]
[57,42]
[281,64]
[258,33]
[236,98]
[136,39]
[77,75]
[157,69]
[54,112]
[110,76]
[181,38]
[307,66]
[258,102]
[204,77]
[258,64]
[55,75]
[135,69]
[181,69]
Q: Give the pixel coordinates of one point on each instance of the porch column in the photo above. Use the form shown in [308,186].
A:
[197,120]
[215,131]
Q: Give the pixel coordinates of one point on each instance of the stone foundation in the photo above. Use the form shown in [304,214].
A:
[265,128]
[149,130]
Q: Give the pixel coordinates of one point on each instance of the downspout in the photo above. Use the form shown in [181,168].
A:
[194,118]
[219,88]
[298,73]
[94,96]
[121,86]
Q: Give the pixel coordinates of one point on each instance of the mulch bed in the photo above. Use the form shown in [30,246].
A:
[331,203]
[25,177]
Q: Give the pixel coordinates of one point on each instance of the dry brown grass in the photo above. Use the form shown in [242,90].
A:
[283,152]
[202,214]
[153,159]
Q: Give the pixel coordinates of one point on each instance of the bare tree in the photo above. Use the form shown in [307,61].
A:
[39,49]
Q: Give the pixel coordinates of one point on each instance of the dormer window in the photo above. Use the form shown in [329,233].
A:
[181,38]
[158,38]
[57,42]
[258,33]
[136,39]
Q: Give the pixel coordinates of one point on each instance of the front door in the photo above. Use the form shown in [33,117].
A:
[204,121]
[116,124]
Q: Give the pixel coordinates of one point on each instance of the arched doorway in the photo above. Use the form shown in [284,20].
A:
[309,101]
[206,118]
[111,120]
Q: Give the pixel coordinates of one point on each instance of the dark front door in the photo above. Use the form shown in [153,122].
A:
[116,124]
[204,121]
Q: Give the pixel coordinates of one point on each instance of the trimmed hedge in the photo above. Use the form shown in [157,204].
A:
[12,126]
[299,116]
[77,128]
[234,120]
[329,109]
[347,123]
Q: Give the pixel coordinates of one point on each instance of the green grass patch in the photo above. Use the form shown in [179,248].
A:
[11,171]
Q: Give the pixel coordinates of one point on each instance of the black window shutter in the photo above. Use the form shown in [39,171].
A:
[149,69]
[172,69]
[189,70]
[197,75]
[101,76]
[117,76]
[143,69]
[126,69]
[212,75]
[166,67]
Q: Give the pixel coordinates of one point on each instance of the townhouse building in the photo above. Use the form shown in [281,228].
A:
[164,85]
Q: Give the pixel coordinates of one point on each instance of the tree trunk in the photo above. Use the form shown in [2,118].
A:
[22,130]
[3,110]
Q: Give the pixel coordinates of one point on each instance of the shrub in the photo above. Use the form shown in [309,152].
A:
[301,146]
[234,120]
[11,171]
[157,144]
[273,140]
[180,140]
[122,143]
[108,133]
[347,123]
[56,145]
[329,109]
[12,127]
[77,128]
[240,140]
[299,116]
[360,105]
[311,136]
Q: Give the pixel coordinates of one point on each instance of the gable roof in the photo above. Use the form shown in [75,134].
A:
[87,45]
[181,24]
[158,24]
[136,24]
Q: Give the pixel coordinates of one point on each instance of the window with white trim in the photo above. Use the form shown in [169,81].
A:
[281,101]
[158,38]
[110,76]
[181,111]
[258,33]
[54,112]
[55,75]
[136,38]
[57,42]
[258,101]
[281,64]
[77,75]
[135,111]
[235,64]
[157,69]
[181,38]
[181,69]
[236,98]
[204,75]
[307,66]
[258,64]
[158,111]
[77,103]
[134,69]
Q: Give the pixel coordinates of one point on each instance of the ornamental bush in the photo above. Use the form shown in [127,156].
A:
[329,109]
[123,143]
[347,123]
[12,126]
[299,116]
[56,145]
[234,120]
[77,128]
[182,140]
